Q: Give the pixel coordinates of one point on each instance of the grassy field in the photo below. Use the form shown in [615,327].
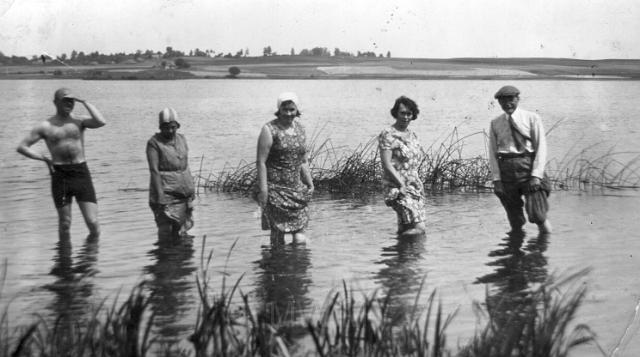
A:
[313,67]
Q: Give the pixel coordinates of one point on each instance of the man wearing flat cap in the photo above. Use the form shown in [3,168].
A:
[517,156]
[64,135]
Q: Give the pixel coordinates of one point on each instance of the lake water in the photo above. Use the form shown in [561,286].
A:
[351,238]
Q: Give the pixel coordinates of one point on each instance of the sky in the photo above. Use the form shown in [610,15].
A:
[581,29]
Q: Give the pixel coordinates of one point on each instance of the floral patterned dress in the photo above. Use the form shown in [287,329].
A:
[287,205]
[406,154]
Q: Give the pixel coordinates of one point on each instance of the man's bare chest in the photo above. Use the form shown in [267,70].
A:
[63,132]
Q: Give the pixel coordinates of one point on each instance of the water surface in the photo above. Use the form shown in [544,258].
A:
[352,238]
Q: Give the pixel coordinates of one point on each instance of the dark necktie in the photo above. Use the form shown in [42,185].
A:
[515,134]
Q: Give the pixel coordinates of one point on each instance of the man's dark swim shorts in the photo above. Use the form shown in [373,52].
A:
[72,180]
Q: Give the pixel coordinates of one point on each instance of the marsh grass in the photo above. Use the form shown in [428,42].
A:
[348,327]
[540,323]
[443,168]
[223,328]
[340,170]
[121,330]
[591,168]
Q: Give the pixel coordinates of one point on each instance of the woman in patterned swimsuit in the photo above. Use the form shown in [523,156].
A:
[400,155]
[284,181]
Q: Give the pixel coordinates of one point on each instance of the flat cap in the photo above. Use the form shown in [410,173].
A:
[63,93]
[507,91]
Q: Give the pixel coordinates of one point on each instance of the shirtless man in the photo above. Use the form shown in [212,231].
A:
[64,135]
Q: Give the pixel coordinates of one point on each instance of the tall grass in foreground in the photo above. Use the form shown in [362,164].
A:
[443,168]
[221,329]
[537,325]
[350,328]
[121,330]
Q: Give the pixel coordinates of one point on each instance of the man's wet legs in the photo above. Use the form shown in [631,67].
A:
[64,222]
[90,213]
[513,204]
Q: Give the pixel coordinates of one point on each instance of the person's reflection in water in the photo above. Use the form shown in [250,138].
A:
[402,275]
[282,285]
[73,286]
[517,269]
[171,279]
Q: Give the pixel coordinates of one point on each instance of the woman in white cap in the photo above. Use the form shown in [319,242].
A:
[171,188]
[284,180]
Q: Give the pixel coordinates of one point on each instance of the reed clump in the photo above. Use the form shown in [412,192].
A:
[591,168]
[348,327]
[225,329]
[443,168]
[537,324]
[338,170]
[121,330]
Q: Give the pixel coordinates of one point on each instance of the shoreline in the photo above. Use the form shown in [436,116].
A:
[336,78]
[333,68]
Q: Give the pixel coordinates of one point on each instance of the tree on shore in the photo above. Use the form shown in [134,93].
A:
[338,53]
[233,72]
[76,57]
[320,52]
[181,63]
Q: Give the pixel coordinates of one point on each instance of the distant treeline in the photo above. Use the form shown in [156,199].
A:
[80,57]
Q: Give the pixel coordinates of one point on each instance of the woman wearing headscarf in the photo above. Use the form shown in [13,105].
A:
[400,155]
[284,180]
[171,188]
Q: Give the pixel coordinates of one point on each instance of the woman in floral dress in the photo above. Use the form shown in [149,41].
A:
[400,155]
[284,181]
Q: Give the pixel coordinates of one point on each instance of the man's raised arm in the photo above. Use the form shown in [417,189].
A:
[96,120]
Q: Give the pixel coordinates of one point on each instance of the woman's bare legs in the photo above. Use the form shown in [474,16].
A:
[545,227]
[299,237]
[413,229]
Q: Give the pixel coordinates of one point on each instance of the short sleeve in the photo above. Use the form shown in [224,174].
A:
[152,144]
[303,133]
[385,140]
[415,138]
[184,142]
